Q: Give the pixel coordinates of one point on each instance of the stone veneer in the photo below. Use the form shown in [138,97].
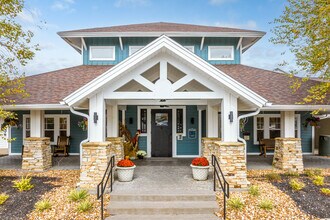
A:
[117,147]
[288,154]
[231,158]
[37,154]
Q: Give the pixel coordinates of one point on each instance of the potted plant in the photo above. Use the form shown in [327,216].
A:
[141,154]
[200,168]
[125,170]
[83,124]
[312,121]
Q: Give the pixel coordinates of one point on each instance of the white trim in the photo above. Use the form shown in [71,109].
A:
[199,131]
[296,107]
[112,58]
[15,154]
[313,139]
[191,48]
[74,154]
[130,48]
[185,156]
[239,44]
[121,43]
[83,44]
[202,43]
[232,57]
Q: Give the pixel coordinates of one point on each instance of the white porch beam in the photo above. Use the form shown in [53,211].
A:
[96,125]
[239,43]
[229,118]
[202,43]
[83,43]
[121,43]
[212,120]
[288,124]
[143,81]
[181,82]
[247,46]
[36,120]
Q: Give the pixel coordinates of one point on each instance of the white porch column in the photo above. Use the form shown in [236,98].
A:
[212,120]
[96,122]
[228,127]
[36,118]
[287,124]
[112,120]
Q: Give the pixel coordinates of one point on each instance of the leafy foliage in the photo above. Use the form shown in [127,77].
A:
[292,174]
[273,177]
[23,184]
[325,191]
[304,27]
[313,172]
[43,205]
[318,180]
[235,203]
[84,206]
[16,49]
[254,190]
[78,195]
[296,184]
[266,204]
[3,198]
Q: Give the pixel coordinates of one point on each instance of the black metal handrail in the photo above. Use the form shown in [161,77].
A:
[222,181]
[108,174]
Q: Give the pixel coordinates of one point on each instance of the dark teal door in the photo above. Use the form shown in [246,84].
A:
[161,133]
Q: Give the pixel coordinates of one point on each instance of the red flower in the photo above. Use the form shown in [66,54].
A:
[200,161]
[125,163]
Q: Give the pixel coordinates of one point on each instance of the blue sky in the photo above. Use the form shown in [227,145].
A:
[58,15]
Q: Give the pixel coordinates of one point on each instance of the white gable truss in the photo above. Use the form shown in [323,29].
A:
[130,79]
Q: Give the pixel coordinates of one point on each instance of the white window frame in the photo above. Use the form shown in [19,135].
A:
[102,47]
[266,125]
[190,48]
[221,47]
[137,47]
[56,125]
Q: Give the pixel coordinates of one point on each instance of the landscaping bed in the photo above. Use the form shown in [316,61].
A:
[52,187]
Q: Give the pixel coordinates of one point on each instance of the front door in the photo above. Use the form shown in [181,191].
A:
[161,133]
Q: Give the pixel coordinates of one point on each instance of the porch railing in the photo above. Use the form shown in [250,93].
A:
[108,174]
[218,175]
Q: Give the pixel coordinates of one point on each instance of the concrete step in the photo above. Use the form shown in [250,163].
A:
[163,197]
[161,207]
[164,217]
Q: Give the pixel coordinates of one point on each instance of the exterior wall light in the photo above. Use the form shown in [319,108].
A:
[96,117]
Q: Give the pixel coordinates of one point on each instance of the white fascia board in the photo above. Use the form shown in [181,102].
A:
[296,107]
[177,49]
[36,107]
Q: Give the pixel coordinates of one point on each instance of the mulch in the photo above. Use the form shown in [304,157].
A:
[19,204]
[309,199]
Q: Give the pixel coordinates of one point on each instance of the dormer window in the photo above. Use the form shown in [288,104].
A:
[190,48]
[133,49]
[102,53]
[221,52]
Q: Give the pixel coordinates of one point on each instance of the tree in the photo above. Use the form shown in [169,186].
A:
[304,26]
[16,49]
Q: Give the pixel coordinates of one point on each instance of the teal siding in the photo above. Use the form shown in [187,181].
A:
[305,134]
[143,143]
[189,146]
[17,133]
[120,55]
[131,114]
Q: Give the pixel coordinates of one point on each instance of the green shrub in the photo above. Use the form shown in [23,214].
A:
[235,203]
[325,191]
[3,198]
[254,190]
[78,195]
[273,176]
[23,184]
[313,172]
[84,206]
[296,184]
[318,180]
[42,205]
[292,174]
[266,204]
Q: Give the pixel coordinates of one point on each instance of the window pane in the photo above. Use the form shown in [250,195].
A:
[27,123]
[49,123]
[63,133]
[27,133]
[274,123]
[63,123]
[274,134]
[260,135]
[50,134]
[260,123]
[221,53]
[143,121]
[102,52]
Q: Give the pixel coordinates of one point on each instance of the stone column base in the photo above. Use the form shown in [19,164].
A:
[117,148]
[95,158]
[288,154]
[209,148]
[37,154]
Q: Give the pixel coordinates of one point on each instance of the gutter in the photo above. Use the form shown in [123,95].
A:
[83,141]
[238,128]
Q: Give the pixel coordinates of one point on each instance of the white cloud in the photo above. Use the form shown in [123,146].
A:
[122,3]
[30,16]
[250,24]
[63,5]
[220,2]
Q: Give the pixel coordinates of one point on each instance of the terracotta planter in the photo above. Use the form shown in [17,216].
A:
[125,174]
[200,172]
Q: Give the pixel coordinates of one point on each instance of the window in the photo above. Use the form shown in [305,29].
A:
[143,119]
[269,126]
[102,53]
[50,128]
[179,121]
[27,127]
[221,52]
[133,49]
[190,48]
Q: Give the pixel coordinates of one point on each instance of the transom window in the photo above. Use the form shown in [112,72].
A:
[221,52]
[133,49]
[102,53]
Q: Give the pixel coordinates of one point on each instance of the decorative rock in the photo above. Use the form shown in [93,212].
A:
[37,154]
[117,147]
[288,154]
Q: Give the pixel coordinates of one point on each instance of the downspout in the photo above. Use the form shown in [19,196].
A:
[238,130]
[86,140]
